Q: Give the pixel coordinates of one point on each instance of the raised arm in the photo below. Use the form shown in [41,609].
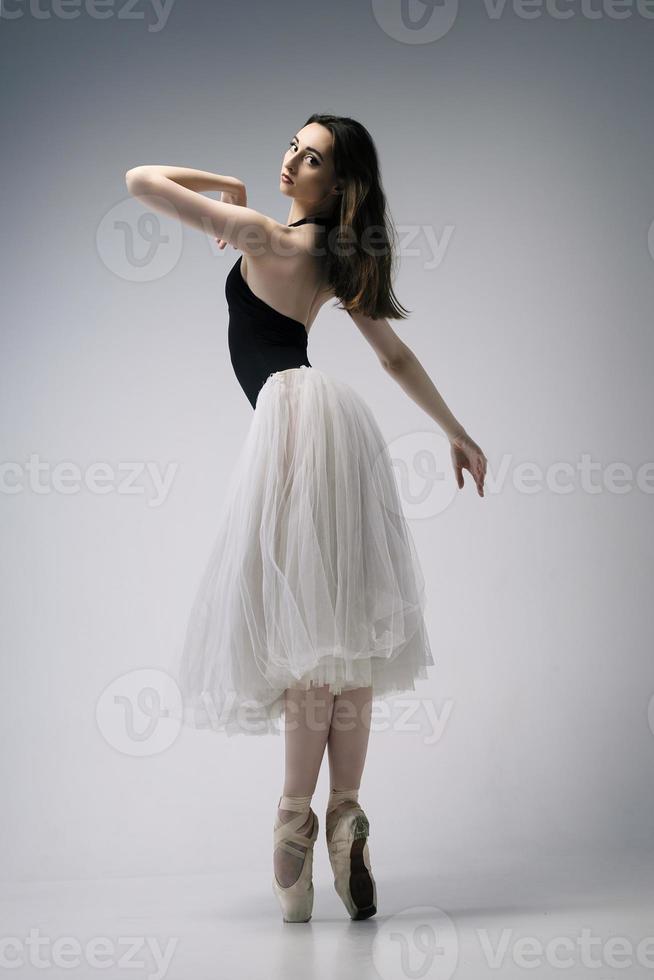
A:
[176,191]
[402,364]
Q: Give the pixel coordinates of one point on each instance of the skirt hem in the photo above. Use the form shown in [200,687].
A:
[251,716]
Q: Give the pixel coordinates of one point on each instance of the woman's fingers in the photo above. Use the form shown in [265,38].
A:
[470,458]
[481,469]
[458,461]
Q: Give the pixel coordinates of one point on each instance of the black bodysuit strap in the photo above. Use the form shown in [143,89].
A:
[316,220]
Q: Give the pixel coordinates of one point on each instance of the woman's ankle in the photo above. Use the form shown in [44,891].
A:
[338,796]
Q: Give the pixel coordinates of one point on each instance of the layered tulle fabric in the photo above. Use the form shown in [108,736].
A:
[313,577]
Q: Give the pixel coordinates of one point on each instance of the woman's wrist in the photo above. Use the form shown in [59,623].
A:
[455,432]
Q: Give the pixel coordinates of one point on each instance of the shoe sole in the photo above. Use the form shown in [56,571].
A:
[361,886]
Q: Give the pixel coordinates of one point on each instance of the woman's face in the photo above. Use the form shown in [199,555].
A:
[308,163]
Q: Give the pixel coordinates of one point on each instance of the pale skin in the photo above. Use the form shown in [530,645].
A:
[282,266]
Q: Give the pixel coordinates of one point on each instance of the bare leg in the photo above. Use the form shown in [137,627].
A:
[307,720]
[347,745]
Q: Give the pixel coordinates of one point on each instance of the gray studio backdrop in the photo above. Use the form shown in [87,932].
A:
[516,147]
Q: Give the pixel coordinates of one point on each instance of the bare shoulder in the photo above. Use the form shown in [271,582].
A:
[290,276]
[287,257]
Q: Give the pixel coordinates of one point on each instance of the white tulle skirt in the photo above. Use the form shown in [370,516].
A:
[313,578]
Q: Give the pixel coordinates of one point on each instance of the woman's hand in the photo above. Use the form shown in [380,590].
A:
[466,455]
[233,197]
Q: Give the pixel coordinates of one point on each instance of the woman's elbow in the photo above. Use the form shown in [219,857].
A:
[136,178]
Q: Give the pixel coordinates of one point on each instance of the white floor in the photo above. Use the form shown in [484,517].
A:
[568,920]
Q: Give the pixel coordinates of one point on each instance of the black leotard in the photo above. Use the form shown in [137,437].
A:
[261,339]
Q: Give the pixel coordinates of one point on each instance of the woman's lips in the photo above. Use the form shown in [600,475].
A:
[287,179]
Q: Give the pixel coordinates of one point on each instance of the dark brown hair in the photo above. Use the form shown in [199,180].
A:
[360,253]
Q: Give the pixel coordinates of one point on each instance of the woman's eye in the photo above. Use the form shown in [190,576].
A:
[293,146]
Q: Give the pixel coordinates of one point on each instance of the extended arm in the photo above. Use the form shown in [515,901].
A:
[404,367]
[400,362]
[464,451]
[409,373]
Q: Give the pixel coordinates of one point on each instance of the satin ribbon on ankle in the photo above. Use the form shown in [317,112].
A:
[338,796]
[298,803]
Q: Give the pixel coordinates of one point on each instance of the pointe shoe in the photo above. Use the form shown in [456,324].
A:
[347,830]
[296,900]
